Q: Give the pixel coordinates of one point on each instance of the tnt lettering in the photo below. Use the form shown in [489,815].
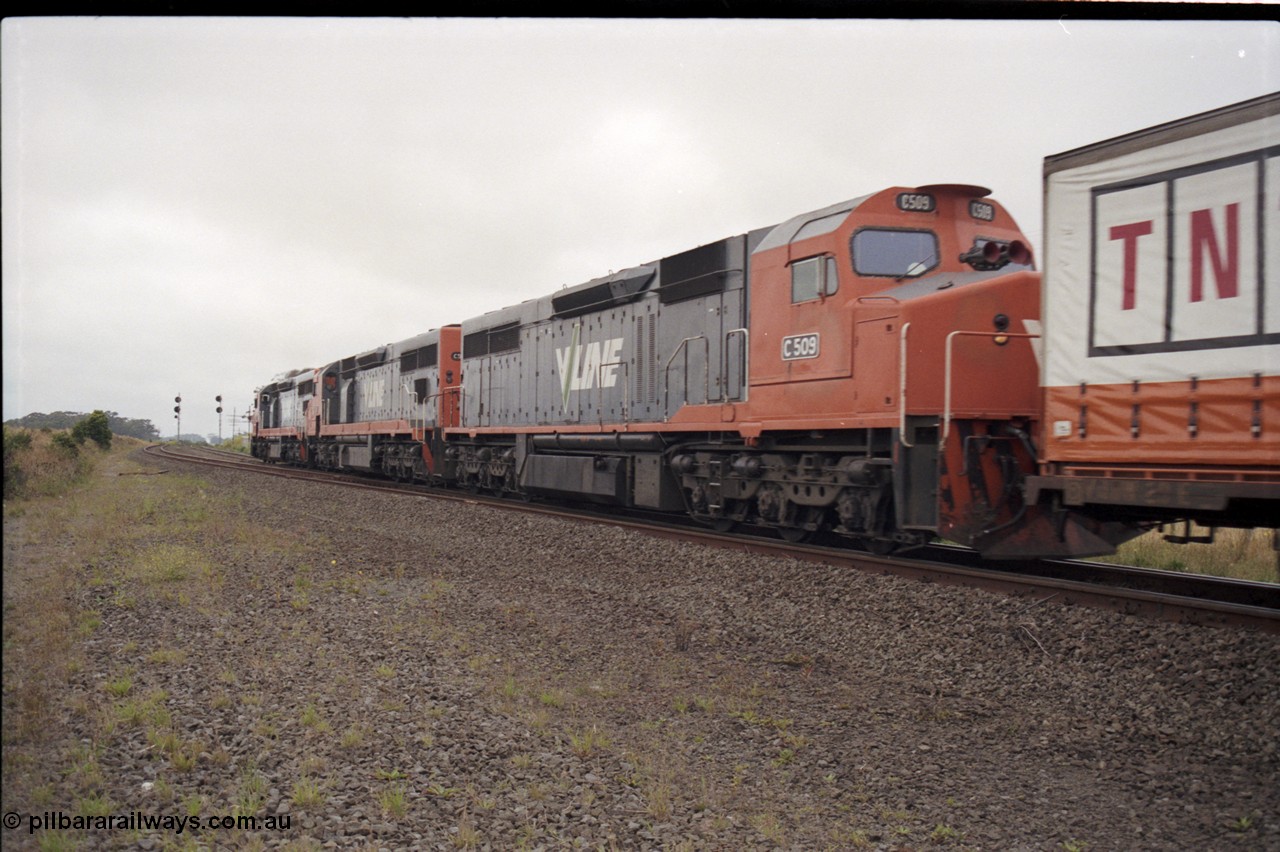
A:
[1176,259]
[1129,234]
[1205,250]
[1204,246]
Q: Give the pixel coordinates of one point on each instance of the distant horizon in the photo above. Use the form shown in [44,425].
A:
[230,429]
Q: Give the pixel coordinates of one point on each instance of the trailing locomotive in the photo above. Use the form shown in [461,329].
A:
[876,369]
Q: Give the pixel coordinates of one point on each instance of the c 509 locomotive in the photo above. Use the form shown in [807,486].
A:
[874,369]
[868,369]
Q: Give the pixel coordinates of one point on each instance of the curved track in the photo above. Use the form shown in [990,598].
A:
[1190,598]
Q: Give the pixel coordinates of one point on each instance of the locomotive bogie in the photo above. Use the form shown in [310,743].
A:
[488,466]
[844,483]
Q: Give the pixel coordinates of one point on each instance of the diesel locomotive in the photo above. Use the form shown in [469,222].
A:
[877,369]
[868,369]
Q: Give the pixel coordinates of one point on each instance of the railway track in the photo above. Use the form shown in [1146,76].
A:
[1188,598]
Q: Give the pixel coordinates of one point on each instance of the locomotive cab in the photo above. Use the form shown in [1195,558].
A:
[817,279]
[894,349]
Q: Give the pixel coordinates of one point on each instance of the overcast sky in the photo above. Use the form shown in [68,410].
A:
[193,206]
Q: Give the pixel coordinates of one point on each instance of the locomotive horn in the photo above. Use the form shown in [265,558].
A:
[993,254]
[974,257]
[1019,253]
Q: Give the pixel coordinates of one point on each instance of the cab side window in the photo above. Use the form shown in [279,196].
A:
[813,277]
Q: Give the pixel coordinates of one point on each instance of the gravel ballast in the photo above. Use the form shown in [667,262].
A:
[394,672]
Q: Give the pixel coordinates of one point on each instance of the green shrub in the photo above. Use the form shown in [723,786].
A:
[15,440]
[42,463]
[237,443]
[16,443]
[67,443]
[96,428]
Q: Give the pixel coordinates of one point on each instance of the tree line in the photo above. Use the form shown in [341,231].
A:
[118,425]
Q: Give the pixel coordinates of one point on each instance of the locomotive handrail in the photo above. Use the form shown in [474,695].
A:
[404,403]
[902,387]
[461,401]
[706,376]
[746,361]
[946,381]
[419,405]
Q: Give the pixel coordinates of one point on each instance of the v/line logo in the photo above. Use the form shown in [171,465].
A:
[583,365]
[373,393]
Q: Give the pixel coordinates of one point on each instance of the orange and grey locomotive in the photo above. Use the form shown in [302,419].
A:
[879,369]
[867,369]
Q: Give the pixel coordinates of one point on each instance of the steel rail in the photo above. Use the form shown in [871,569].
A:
[1185,598]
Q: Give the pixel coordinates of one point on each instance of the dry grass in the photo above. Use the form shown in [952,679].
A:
[35,465]
[1243,554]
[82,543]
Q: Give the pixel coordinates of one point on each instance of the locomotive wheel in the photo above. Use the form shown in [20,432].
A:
[723,525]
[879,546]
[795,535]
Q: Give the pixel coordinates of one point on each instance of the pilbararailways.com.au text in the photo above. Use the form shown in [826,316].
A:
[139,821]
